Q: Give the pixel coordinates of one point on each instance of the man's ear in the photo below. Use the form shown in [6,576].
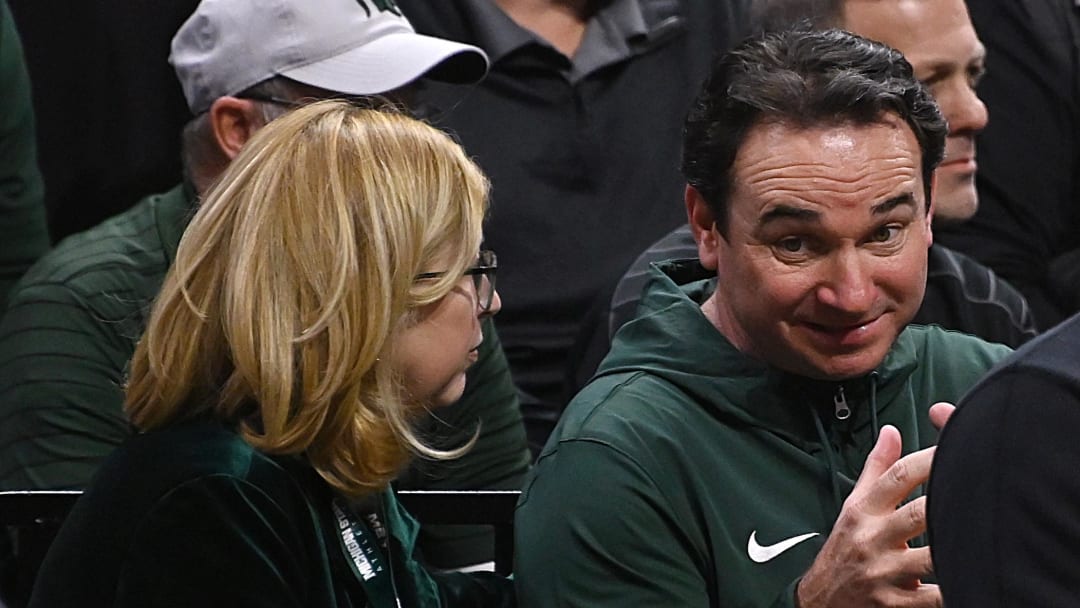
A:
[930,210]
[703,226]
[234,121]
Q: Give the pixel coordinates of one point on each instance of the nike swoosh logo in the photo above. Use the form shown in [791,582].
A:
[762,554]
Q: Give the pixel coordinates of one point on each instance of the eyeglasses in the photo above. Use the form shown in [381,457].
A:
[483,277]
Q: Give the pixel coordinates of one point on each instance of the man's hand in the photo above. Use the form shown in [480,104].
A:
[866,560]
[940,413]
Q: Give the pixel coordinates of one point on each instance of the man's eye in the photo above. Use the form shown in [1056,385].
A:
[975,74]
[884,234]
[792,244]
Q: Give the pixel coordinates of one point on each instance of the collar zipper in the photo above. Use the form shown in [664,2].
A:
[841,409]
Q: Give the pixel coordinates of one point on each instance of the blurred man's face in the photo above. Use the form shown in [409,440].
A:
[938,39]
[823,262]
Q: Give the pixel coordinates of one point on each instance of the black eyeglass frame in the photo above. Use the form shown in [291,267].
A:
[487,265]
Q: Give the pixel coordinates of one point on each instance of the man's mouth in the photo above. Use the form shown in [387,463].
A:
[845,334]
[962,156]
[966,163]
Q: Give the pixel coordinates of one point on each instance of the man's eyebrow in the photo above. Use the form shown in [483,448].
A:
[783,212]
[980,54]
[938,69]
[888,205]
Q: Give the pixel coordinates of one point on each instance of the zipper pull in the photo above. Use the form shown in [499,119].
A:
[842,411]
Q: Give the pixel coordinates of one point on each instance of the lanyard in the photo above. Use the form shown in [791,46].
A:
[364,557]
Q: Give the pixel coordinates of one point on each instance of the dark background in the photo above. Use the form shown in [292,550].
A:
[109,109]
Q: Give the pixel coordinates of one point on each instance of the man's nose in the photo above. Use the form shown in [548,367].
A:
[966,113]
[847,286]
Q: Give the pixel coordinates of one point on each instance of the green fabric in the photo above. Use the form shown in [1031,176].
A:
[194,516]
[70,329]
[661,468]
[23,233]
[72,326]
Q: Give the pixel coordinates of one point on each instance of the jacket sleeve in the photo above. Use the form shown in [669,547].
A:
[61,378]
[1002,500]
[593,529]
[498,461]
[786,599]
[964,295]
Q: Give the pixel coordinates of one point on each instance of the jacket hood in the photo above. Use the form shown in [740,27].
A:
[672,339]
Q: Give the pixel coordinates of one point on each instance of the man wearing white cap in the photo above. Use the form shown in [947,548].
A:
[74,319]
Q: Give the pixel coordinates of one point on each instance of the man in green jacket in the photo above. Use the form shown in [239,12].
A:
[74,319]
[742,444]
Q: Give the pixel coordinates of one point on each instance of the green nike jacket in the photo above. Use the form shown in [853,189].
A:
[688,474]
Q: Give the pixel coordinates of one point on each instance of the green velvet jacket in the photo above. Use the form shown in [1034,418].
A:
[193,516]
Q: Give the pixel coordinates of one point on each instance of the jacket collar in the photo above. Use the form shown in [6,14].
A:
[671,338]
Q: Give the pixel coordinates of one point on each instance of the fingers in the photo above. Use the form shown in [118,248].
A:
[928,596]
[940,413]
[913,565]
[898,481]
[923,596]
[885,453]
[905,523]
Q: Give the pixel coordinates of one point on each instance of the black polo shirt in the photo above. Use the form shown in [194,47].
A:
[1027,227]
[583,156]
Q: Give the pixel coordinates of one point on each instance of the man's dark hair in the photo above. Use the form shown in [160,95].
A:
[804,79]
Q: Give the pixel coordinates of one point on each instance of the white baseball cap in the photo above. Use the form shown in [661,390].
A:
[355,47]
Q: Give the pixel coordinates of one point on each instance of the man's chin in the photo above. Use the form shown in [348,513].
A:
[955,205]
[841,367]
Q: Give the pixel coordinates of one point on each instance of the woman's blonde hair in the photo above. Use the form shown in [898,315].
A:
[292,279]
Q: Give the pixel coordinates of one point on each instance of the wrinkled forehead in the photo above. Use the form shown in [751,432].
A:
[846,163]
[840,144]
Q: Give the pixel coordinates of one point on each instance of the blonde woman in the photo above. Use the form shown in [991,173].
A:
[327,292]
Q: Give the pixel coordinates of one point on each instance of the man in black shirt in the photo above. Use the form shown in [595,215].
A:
[578,126]
[1027,227]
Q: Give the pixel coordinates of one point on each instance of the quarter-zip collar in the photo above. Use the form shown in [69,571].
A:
[834,421]
[736,386]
